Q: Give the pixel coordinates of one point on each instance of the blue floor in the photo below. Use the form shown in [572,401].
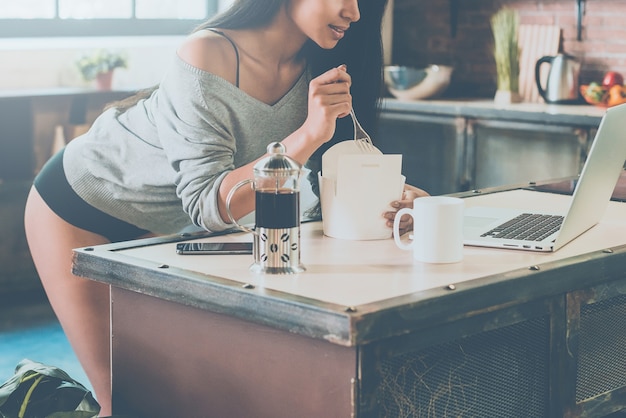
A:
[40,340]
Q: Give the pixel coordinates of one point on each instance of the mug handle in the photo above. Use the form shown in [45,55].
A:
[229,198]
[396,228]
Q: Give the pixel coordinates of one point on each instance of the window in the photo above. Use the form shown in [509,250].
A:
[48,18]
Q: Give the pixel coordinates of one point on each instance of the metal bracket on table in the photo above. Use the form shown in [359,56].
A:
[454,13]
[580,12]
[468,179]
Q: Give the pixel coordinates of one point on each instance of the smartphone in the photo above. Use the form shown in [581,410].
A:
[214,248]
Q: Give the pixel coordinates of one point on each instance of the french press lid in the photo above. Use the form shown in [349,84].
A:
[277,163]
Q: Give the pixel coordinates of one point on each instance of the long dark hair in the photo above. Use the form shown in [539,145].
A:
[360,50]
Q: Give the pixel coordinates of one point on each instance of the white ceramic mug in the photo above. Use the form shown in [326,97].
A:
[437,229]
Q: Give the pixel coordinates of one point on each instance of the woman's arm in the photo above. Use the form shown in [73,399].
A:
[202,150]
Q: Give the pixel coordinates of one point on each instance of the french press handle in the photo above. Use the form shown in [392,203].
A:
[229,198]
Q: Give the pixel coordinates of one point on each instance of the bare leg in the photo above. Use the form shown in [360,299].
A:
[81,305]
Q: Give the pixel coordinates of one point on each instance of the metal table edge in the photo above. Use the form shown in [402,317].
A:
[342,325]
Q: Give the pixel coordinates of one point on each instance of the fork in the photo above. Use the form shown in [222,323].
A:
[360,136]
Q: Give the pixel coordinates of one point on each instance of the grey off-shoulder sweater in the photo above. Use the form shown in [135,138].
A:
[159,165]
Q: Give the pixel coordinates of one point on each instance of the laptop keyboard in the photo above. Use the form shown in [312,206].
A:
[527,226]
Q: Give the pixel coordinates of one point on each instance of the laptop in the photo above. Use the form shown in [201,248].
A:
[526,230]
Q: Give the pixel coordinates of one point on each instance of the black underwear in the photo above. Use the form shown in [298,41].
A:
[55,190]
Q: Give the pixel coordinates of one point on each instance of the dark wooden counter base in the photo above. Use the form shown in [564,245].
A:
[170,360]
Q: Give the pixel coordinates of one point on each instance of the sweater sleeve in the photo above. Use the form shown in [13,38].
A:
[197,139]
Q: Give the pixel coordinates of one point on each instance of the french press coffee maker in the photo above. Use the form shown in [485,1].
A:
[276,234]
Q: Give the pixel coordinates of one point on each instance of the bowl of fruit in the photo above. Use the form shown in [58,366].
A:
[610,92]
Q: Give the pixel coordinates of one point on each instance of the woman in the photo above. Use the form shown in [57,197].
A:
[263,71]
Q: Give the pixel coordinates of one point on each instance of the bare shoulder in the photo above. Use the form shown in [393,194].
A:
[210,52]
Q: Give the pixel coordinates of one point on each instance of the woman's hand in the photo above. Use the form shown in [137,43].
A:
[329,99]
[406,222]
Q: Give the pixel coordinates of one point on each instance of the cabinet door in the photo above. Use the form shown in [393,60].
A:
[596,353]
[507,153]
[492,365]
[18,271]
[432,149]
[16,139]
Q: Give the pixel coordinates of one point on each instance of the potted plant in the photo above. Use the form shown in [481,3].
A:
[100,65]
[504,25]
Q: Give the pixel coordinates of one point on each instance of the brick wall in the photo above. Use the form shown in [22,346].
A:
[423,35]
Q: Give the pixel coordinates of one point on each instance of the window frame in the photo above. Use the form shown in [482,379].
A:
[132,26]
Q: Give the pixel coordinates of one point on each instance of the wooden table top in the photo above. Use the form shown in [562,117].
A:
[350,283]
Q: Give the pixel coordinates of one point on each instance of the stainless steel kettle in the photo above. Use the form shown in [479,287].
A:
[563,78]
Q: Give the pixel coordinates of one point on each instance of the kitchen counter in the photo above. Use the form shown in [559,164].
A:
[570,115]
[451,145]
[9,94]
[367,331]
[29,116]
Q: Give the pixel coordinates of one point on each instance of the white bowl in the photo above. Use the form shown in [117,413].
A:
[406,83]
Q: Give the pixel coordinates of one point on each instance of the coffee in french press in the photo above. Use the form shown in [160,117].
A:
[276,234]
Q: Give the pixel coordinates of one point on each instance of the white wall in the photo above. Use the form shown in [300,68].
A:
[33,64]
[48,63]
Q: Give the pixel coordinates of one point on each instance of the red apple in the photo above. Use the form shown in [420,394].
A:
[612,78]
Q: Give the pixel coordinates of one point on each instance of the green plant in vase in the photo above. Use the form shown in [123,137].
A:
[100,65]
[505,24]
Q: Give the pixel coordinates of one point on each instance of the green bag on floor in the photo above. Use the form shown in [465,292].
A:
[40,391]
